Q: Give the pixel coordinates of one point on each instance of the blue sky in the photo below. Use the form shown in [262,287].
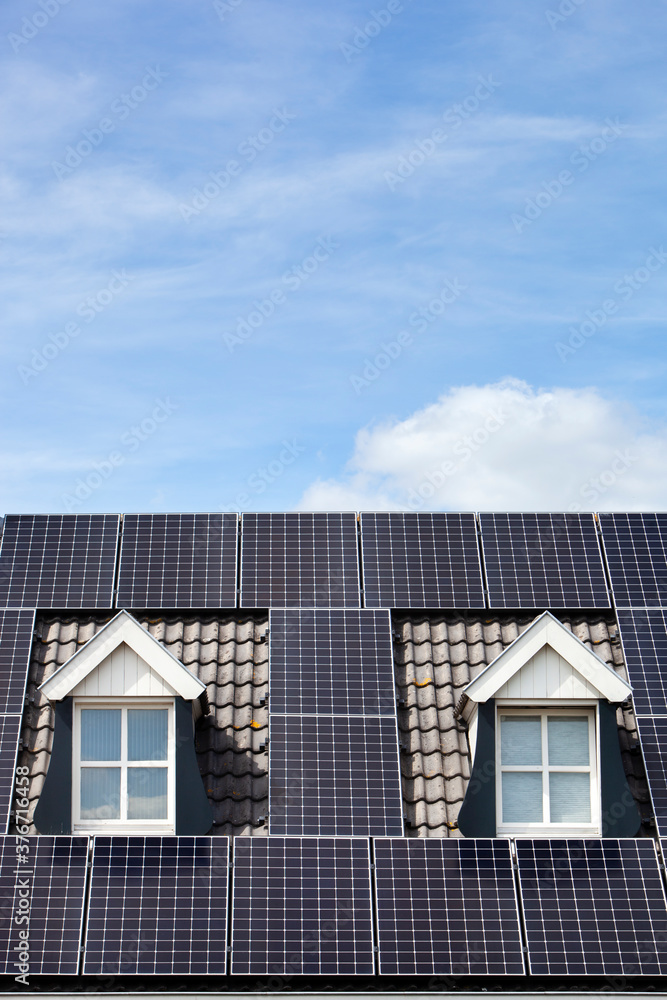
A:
[269,255]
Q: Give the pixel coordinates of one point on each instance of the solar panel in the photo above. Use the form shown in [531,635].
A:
[58,560]
[447,907]
[636,550]
[42,889]
[334,775]
[158,906]
[16,628]
[178,561]
[337,662]
[420,560]
[593,907]
[653,737]
[644,639]
[301,907]
[299,560]
[10,730]
[543,560]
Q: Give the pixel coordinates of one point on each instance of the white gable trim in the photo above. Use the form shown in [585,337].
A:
[548,631]
[122,629]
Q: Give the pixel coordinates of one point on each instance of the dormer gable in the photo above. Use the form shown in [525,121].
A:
[545,662]
[124,660]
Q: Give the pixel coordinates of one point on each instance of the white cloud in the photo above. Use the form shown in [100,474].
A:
[504,446]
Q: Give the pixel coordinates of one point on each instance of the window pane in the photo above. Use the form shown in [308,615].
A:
[147,793]
[568,740]
[522,797]
[100,733]
[147,730]
[570,797]
[100,793]
[521,739]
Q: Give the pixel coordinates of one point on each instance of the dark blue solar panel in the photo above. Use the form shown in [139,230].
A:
[301,907]
[636,549]
[16,628]
[178,561]
[158,906]
[543,561]
[299,561]
[447,907]
[593,908]
[336,662]
[58,560]
[653,737]
[42,893]
[644,638]
[421,560]
[10,729]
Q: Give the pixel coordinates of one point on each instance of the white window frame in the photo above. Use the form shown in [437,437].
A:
[528,708]
[123,825]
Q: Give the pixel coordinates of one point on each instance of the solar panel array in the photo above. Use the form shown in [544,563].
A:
[644,638]
[447,907]
[420,560]
[636,550]
[42,891]
[301,907]
[178,561]
[653,738]
[593,908]
[58,560]
[158,906]
[16,631]
[542,561]
[333,737]
[299,560]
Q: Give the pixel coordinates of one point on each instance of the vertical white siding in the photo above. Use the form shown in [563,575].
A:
[123,673]
[547,675]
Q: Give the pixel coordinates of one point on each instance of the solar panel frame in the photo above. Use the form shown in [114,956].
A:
[594,907]
[334,776]
[643,635]
[58,560]
[543,560]
[178,927]
[54,877]
[421,560]
[178,561]
[447,907]
[292,560]
[302,906]
[635,547]
[337,661]
[653,738]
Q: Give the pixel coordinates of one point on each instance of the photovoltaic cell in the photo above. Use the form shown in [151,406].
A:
[644,639]
[16,628]
[636,550]
[58,560]
[334,775]
[301,907]
[420,560]
[158,906]
[178,561]
[10,729]
[653,737]
[593,907]
[447,907]
[299,560]
[543,560]
[337,662]
[51,881]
